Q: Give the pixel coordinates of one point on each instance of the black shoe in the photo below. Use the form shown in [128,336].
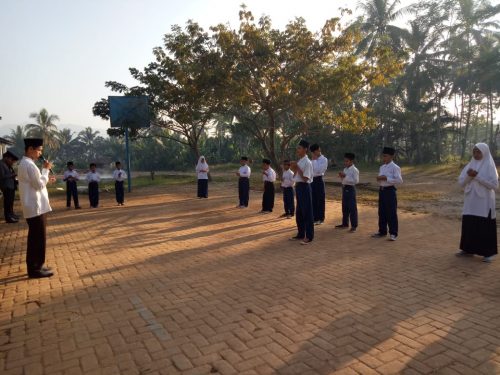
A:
[39,274]
[296,238]
[78,208]
[14,216]
[341,226]
[379,235]
[11,220]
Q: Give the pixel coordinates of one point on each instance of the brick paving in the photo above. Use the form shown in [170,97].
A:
[169,284]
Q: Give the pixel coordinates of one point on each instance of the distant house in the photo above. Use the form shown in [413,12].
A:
[4,144]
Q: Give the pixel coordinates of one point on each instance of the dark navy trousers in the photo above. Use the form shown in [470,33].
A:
[387,210]
[120,192]
[94,194]
[349,206]
[268,196]
[318,198]
[244,190]
[304,215]
[71,191]
[288,201]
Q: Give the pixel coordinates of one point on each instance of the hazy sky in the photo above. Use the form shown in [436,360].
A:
[57,54]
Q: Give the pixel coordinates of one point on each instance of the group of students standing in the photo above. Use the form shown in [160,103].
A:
[303,180]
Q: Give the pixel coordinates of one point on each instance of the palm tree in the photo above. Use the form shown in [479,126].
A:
[17,137]
[67,142]
[87,137]
[44,128]
[376,25]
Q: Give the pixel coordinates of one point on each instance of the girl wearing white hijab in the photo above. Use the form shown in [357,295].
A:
[479,179]
[202,172]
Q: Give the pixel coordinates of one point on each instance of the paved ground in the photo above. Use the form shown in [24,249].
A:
[169,284]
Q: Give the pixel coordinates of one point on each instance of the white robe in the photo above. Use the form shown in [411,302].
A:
[33,188]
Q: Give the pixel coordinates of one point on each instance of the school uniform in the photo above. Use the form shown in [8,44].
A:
[479,227]
[71,187]
[244,185]
[119,175]
[8,188]
[35,204]
[349,205]
[93,180]
[304,212]
[202,175]
[287,186]
[320,166]
[269,177]
[387,199]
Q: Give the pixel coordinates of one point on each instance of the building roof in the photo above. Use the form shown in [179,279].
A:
[4,141]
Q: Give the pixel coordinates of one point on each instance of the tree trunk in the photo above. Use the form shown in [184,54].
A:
[466,128]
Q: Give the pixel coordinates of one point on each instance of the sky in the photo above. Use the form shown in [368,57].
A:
[57,54]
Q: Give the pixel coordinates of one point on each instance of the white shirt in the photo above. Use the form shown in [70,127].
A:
[119,175]
[351,176]
[93,177]
[72,173]
[307,170]
[320,165]
[287,179]
[33,188]
[245,171]
[393,174]
[202,175]
[269,175]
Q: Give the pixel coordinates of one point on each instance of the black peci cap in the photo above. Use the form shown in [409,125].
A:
[388,151]
[349,155]
[11,155]
[33,142]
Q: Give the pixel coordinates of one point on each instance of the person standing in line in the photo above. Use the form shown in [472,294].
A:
[119,175]
[71,178]
[320,165]
[388,178]
[93,180]
[303,178]
[8,186]
[350,177]
[244,182]
[287,186]
[35,204]
[479,179]
[269,177]
[202,173]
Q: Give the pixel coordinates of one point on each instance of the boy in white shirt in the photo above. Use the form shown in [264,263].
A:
[389,176]
[71,178]
[269,177]
[93,179]
[320,165]
[244,182]
[287,186]
[119,175]
[350,177]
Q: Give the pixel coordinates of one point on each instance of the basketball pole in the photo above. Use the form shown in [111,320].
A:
[127,156]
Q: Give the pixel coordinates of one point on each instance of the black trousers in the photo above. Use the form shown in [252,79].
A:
[288,201]
[8,203]
[304,215]
[479,235]
[120,192]
[71,191]
[35,253]
[318,198]
[268,196]
[244,190]
[202,188]
[387,210]
[94,194]
[349,206]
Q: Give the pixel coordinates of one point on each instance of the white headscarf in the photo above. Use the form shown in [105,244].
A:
[485,168]
[202,165]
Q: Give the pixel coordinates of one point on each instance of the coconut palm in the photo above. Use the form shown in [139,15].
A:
[44,128]
[17,136]
[87,137]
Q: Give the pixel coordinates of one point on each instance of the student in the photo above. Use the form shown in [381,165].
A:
[303,178]
[287,186]
[8,184]
[269,177]
[244,182]
[93,179]
[202,173]
[71,178]
[320,165]
[389,176]
[479,179]
[119,175]
[350,177]
[35,203]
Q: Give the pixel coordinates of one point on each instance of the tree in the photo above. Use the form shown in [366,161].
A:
[87,138]
[17,137]
[44,128]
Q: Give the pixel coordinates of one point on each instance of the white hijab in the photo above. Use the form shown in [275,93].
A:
[485,168]
[202,164]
